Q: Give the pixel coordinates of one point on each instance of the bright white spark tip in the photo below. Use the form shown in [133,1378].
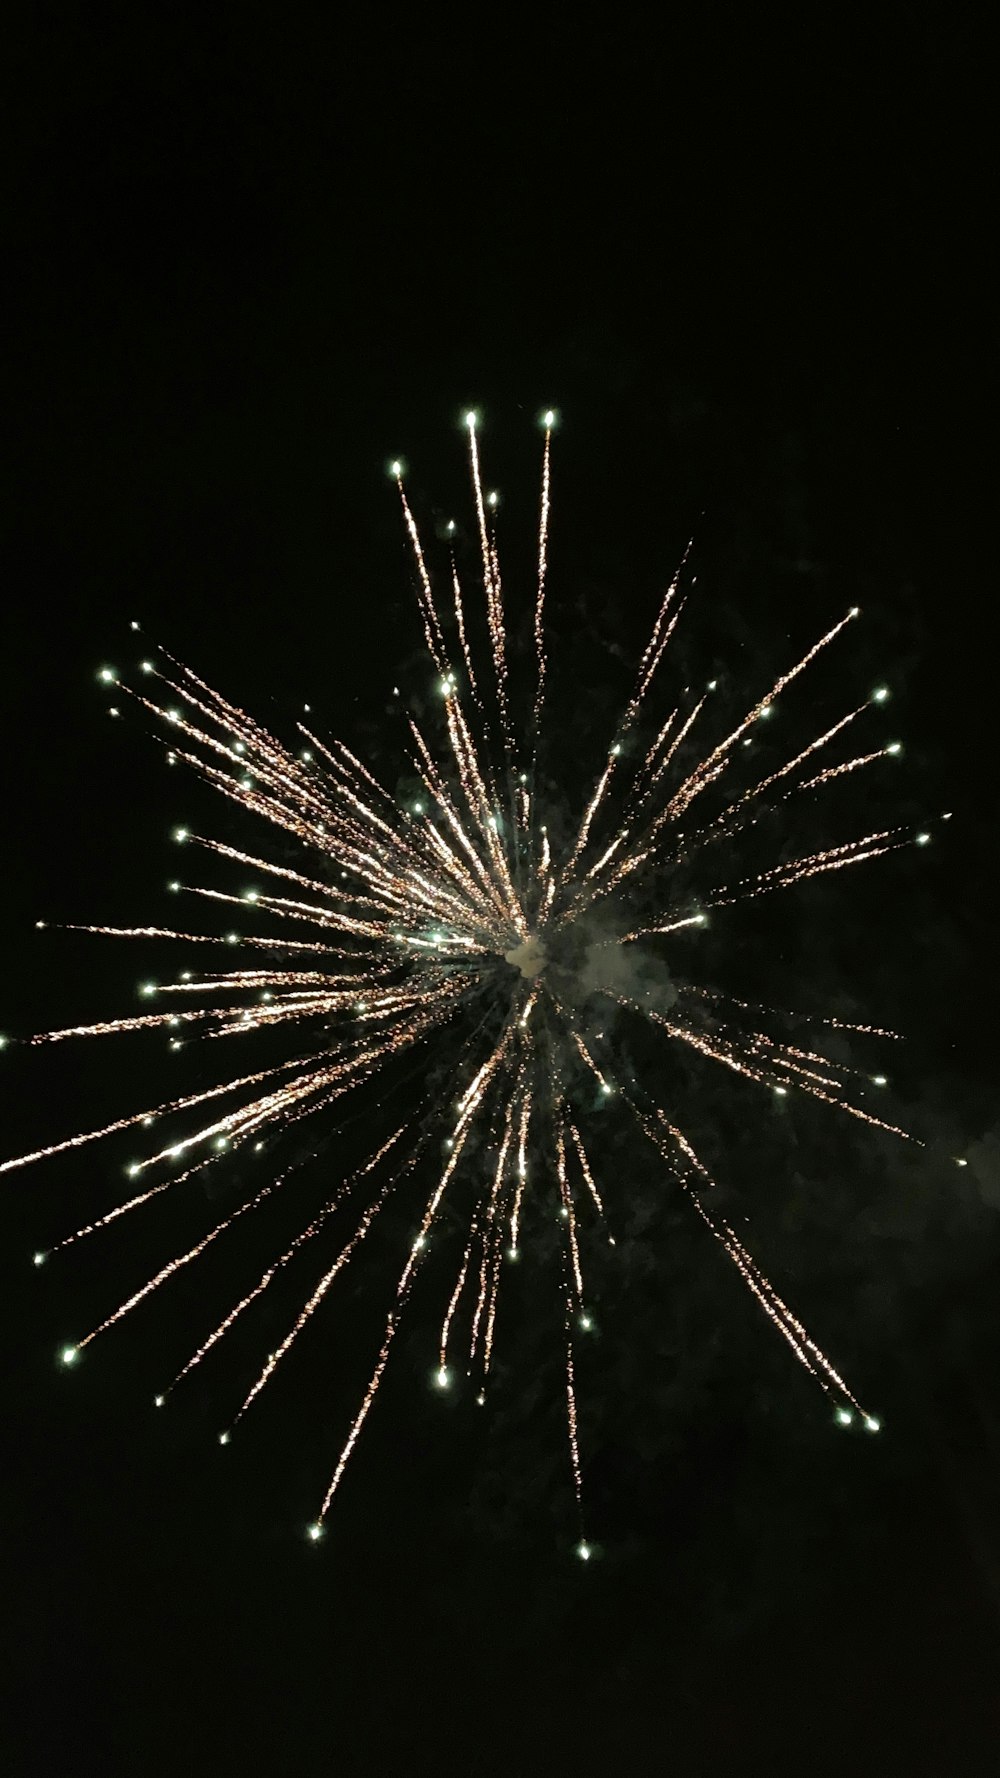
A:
[844,1416]
[549,418]
[586,1323]
[960,1161]
[471,419]
[39,1258]
[923,839]
[223,1438]
[180,835]
[158,1401]
[880,1080]
[781,1092]
[583,1550]
[880,694]
[69,1355]
[442,1378]
[480,1401]
[871,1424]
[314,1533]
[895,747]
[108,675]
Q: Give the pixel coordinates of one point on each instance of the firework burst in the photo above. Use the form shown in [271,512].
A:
[473,913]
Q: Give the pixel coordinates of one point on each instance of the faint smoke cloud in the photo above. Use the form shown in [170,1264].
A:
[528,957]
[984,1164]
[609,967]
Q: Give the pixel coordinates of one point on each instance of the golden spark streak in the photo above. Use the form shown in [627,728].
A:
[543,539]
[494,601]
[312,1302]
[804,1347]
[432,627]
[585,1168]
[661,634]
[567,1203]
[391,1325]
[790,766]
[460,620]
[740,1066]
[591,811]
[300,1239]
[168,1105]
[781,876]
[717,759]
[173,1266]
[571,1419]
[494,1199]
[785,1013]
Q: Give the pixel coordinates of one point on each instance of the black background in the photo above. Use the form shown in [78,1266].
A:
[251,255]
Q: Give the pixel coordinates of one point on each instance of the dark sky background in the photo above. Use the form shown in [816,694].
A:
[252,255]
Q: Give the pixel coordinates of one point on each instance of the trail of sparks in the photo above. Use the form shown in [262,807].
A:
[543,542]
[299,1241]
[455,917]
[791,1329]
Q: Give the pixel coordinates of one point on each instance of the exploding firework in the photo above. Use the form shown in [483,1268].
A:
[479,913]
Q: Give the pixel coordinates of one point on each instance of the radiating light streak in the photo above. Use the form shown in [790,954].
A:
[543,544]
[715,761]
[571,1415]
[173,1266]
[312,1228]
[491,583]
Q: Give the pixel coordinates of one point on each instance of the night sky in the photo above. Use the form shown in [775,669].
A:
[251,257]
